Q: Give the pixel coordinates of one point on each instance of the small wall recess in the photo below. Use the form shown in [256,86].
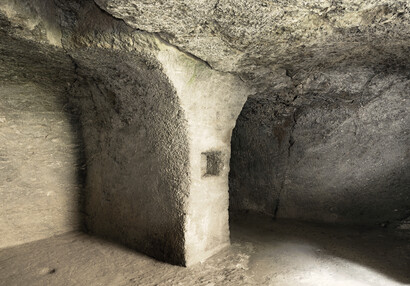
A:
[211,163]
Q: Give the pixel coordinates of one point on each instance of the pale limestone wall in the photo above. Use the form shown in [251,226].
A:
[40,146]
[211,101]
[39,188]
[150,116]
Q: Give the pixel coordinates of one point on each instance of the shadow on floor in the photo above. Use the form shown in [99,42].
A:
[263,252]
[313,250]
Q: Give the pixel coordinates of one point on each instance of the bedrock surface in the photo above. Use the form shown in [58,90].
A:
[338,152]
[262,253]
[271,42]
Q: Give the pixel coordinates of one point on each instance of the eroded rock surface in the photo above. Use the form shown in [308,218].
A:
[273,41]
[157,86]
[340,152]
[40,143]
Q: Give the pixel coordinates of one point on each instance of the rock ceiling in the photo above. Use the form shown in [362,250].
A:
[276,43]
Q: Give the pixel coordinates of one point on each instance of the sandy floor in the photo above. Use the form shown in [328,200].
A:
[262,253]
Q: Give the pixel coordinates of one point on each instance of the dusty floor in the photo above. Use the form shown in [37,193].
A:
[262,253]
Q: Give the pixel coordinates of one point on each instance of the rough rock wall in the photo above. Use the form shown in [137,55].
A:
[157,157]
[139,103]
[131,122]
[209,101]
[267,40]
[40,146]
[134,132]
[35,20]
[339,152]
[39,189]
[279,47]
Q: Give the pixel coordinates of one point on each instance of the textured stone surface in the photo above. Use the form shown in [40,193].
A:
[134,133]
[268,41]
[39,189]
[212,101]
[136,154]
[262,253]
[40,145]
[323,136]
[138,100]
[317,60]
[197,100]
[342,155]
[35,20]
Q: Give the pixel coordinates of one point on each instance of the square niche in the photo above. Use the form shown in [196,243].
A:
[211,163]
